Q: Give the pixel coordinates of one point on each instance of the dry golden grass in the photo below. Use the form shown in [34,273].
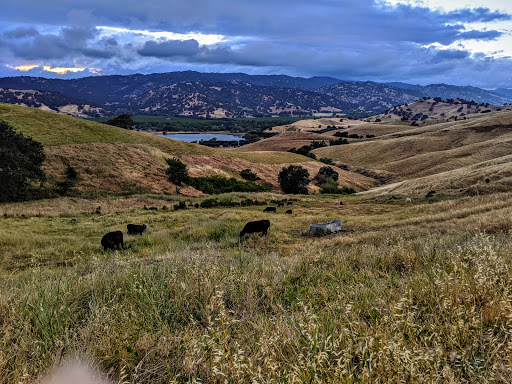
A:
[434,149]
[413,293]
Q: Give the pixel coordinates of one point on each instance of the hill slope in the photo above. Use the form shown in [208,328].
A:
[117,161]
[437,109]
[431,150]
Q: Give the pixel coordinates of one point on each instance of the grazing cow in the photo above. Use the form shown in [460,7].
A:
[408,200]
[256,226]
[270,209]
[289,212]
[134,229]
[289,203]
[112,240]
[280,204]
[487,180]
[341,202]
[430,194]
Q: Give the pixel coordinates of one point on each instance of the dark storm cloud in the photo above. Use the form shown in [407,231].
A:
[21,32]
[170,48]
[70,42]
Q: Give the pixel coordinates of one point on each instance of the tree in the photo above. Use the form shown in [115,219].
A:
[21,159]
[71,177]
[325,173]
[177,172]
[294,179]
[122,121]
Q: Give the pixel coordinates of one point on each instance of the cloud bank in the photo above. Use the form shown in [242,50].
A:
[349,39]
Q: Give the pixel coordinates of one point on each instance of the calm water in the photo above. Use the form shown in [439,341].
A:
[189,137]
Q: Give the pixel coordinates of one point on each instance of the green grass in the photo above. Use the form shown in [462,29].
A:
[53,129]
[409,293]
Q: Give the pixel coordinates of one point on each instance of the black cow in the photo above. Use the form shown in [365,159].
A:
[280,204]
[256,226]
[270,209]
[289,203]
[341,202]
[289,212]
[134,229]
[112,240]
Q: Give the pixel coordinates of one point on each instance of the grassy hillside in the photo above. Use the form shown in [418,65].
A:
[409,292]
[432,149]
[118,161]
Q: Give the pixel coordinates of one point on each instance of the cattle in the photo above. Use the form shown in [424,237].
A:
[280,204]
[270,209]
[289,203]
[112,240]
[341,202]
[487,180]
[430,194]
[134,229]
[256,226]
[289,212]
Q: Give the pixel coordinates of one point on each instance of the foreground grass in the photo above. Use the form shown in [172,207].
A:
[416,293]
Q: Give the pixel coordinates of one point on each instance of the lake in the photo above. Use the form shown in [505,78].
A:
[189,137]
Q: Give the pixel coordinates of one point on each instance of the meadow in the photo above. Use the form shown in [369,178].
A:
[407,292]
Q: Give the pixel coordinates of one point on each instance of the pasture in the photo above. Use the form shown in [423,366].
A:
[408,292]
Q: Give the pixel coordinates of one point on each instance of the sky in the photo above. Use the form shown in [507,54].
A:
[457,42]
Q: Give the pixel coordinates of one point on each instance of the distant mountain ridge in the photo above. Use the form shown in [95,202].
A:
[195,96]
[446,91]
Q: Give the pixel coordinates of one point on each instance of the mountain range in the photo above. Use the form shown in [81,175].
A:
[192,93]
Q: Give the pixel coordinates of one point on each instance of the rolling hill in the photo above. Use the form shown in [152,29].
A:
[427,109]
[449,156]
[117,161]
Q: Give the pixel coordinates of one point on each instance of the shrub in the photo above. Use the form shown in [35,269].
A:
[180,205]
[247,174]
[210,203]
[326,160]
[331,186]
[338,142]
[218,184]
[71,178]
[324,174]
[294,179]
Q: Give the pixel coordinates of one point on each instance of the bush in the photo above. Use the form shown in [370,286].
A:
[331,186]
[324,174]
[217,184]
[294,179]
[180,205]
[71,178]
[247,174]
[326,160]
[21,159]
[210,203]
